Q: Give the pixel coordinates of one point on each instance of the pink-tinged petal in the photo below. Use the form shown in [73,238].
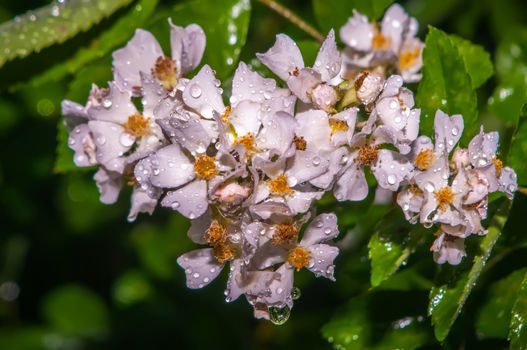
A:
[337,159]
[245,118]
[198,228]
[448,131]
[188,45]
[410,73]
[190,133]
[201,267]
[328,59]
[383,196]
[508,182]
[81,141]
[341,138]
[152,93]
[203,95]
[303,82]
[392,113]
[142,202]
[358,33]
[323,228]
[411,204]
[283,58]
[324,97]
[351,185]
[277,133]
[482,148]
[116,107]
[436,177]
[280,288]
[394,24]
[139,55]
[284,104]
[301,200]
[190,200]
[271,209]
[270,168]
[420,144]
[249,85]
[448,249]
[74,113]
[110,146]
[321,260]
[304,166]
[392,86]
[314,127]
[109,184]
[412,125]
[169,167]
[391,169]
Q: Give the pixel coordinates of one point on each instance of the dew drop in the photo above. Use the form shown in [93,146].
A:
[195,91]
[279,315]
[391,179]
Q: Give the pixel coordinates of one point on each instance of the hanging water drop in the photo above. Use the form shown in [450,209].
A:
[278,315]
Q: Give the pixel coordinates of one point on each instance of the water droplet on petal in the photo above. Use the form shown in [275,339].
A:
[279,315]
[195,91]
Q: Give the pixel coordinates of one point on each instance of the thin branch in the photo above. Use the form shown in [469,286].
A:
[293,18]
[522,190]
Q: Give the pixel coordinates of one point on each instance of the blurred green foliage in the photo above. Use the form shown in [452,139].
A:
[75,275]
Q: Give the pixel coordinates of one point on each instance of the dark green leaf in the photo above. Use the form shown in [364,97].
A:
[335,13]
[518,326]
[390,246]
[75,310]
[117,35]
[494,317]
[51,24]
[518,149]
[477,60]
[447,300]
[130,288]
[446,84]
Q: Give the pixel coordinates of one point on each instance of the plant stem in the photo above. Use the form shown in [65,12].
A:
[522,190]
[293,18]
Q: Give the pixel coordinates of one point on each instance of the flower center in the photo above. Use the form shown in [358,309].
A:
[413,189]
[380,42]
[298,257]
[337,125]
[137,125]
[248,142]
[166,72]
[279,185]
[368,154]
[498,164]
[223,252]
[215,233]
[300,143]
[205,167]
[407,58]
[284,233]
[424,159]
[444,197]
[360,80]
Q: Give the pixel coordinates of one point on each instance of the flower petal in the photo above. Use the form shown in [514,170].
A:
[283,57]
[109,184]
[201,267]
[328,59]
[190,200]
[482,148]
[189,133]
[314,127]
[245,118]
[116,107]
[303,83]
[322,229]
[249,85]
[391,169]
[394,24]
[188,45]
[304,166]
[142,202]
[351,185]
[277,133]
[358,32]
[321,260]
[448,130]
[110,146]
[202,93]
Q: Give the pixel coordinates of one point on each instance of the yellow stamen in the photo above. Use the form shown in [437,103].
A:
[225,116]
[205,167]
[498,165]
[380,42]
[137,125]
[444,197]
[368,154]
[424,159]
[166,72]
[279,185]
[337,125]
[215,233]
[300,143]
[298,257]
[248,141]
[407,58]
[285,233]
[223,252]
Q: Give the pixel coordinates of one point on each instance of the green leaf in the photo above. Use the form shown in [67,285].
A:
[110,39]
[518,326]
[75,310]
[518,149]
[225,24]
[391,245]
[335,13]
[52,24]
[447,300]
[446,85]
[477,60]
[364,323]
[130,288]
[494,317]
[511,69]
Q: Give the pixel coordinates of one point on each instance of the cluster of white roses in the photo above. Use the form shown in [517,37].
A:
[247,174]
